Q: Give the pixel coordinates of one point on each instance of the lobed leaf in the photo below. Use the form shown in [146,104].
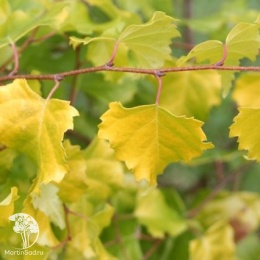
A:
[149,43]
[148,138]
[35,127]
[247,129]
[243,41]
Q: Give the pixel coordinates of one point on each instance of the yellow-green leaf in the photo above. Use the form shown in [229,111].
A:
[209,246]
[149,43]
[50,204]
[243,41]
[247,129]
[7,206]
[148,138]
[153,212]
[191,93]
[247,91]
[74,184]
[210,51]
[35,128]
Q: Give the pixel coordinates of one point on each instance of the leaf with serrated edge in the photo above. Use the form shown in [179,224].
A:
[243,41]
[35,127]
[148,138]
[247,129]
[150,42]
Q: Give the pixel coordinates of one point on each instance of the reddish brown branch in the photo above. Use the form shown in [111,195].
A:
[224,56]
[159,79]
[129,70]
[110,63]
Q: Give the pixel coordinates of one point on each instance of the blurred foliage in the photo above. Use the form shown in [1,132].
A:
[207,208]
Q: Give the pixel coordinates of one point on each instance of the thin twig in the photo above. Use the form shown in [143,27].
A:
[129,70]
[159,79]
[57,80]
[110,63]
[224,56]
[150,252]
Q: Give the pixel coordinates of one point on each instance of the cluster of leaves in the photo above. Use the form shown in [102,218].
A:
[89,184]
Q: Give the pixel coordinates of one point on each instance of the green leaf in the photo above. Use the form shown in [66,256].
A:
[145,45]
[7,206]
[246,92]
[18,23]
[247,131]
[148,138]
[153,212]
[248,248]
[243,41]
[210,51]
[149,43]
[209,246]
[191,93]
[35,129]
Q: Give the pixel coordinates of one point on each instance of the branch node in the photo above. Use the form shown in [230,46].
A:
[159,73]
[58,77]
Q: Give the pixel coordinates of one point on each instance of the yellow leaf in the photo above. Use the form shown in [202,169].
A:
[217,243]
[247,91]
[74,183]
[148,138]
[35,127]
[7,206]
[182,93]
[247,129]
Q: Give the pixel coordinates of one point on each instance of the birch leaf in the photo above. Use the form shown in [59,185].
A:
[35,127]
[148,138]
[247,129]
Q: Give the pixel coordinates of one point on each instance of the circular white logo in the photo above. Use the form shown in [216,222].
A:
[27,227]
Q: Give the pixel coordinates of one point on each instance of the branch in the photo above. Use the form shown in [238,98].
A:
[128,70]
